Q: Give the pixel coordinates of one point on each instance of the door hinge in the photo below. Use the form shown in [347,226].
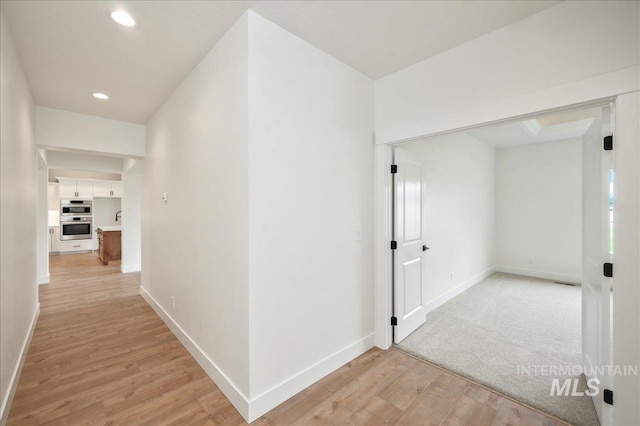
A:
[607,270]
[608,396]
[394,245]
[608,143]
[394,168]
[394,321]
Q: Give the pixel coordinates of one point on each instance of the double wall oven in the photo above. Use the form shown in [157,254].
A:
[75,220]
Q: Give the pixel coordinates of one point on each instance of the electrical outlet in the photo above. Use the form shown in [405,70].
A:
[530,260]
[451,276]
[173,302]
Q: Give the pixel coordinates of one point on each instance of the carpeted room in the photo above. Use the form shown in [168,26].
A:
[502,219]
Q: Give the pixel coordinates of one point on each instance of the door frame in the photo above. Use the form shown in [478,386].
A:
[626,233]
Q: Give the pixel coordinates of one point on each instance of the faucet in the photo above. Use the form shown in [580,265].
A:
[118,215]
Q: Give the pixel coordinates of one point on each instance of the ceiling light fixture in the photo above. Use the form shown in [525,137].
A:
[100,95]
[123,18]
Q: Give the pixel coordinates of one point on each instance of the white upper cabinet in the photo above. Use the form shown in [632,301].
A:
[67,188]
[107,189]
[53,196]
[84,189]
[101,189]
[72,188]
[116,187]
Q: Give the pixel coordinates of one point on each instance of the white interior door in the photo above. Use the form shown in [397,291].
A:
[409,285]
[596,287]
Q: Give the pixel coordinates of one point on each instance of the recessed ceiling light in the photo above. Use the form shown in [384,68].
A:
[123,18]
[100,96]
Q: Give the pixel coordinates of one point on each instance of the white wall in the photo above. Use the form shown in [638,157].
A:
[131,219]
[82,174]
[43,221]
[459,212]
[104,212]
[18,206]
[488,207]
[58,129]
[539,210]
[266,152]
[626,288]
[310,170]
[84,162]
[195,247]
[559,56]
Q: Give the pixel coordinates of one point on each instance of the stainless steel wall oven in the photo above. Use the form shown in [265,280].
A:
[75,207]
[75,220]
[75,228]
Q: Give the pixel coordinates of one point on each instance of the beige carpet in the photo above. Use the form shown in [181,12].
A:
[504,322]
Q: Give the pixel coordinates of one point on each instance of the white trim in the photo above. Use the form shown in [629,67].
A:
[278,394]
[382,254]
[463,286]
[89,180]
[575,93]
[228,388]
[43,279]
[532,127]
[15,377]
[125,269]
[535,273]
[567,96]
[626,286]
[252,409]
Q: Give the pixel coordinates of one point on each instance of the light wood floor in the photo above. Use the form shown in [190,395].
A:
[101,356]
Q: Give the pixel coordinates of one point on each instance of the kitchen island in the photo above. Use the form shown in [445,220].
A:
[109,243]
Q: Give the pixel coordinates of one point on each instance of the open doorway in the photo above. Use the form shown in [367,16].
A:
[80,203]
[492,242]
[91,208]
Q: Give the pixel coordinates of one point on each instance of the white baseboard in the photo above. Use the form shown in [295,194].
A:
[463,286]
[125,269]
[547,275]
[228,388]
[261,404]
[15,377]
[275,396]
[43,279]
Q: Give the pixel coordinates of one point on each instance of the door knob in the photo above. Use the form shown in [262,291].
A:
[425,248]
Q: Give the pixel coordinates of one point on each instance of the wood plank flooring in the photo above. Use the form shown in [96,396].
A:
[101,356]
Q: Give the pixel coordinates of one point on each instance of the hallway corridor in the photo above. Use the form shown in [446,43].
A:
[101,356]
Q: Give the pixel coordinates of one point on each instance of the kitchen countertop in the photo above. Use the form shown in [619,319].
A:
[109,228]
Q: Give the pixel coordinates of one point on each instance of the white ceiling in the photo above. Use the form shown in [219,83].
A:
[72,48]
[553,127]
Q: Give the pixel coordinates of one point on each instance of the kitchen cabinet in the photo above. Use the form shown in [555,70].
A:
[76,245]
[54,239]
[84,188]
[101,189]
[116,187]
[71,188]
[109,245]
[107,189]
[67,189]
[53,196]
